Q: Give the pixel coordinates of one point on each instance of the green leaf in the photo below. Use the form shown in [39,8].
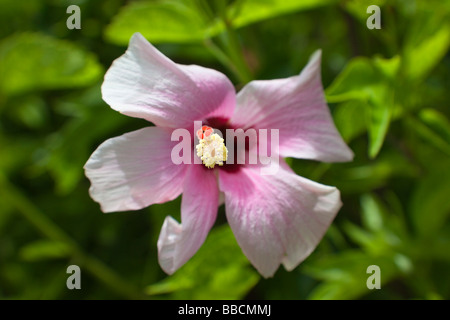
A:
[351,118]
[360,76]
[374,243]
[360,236]
[371,83]
[344,276]
[429,135]
[436,121]
[246,12]
[372,213]
[383,226]
[423,58]
[169,21]
[219,270]
[43,250]
[428,40]
[162,21]
[389,68]
[382,105]
[371,175]
[355,81]
[34,61]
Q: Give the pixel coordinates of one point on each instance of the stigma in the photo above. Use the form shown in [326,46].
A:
[211,147]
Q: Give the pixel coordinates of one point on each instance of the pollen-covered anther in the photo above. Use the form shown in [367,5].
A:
[211,147]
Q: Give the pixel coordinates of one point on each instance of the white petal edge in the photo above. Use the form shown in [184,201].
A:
[177,243]
[134,170]
[277,219]
[297,107]
[144,83]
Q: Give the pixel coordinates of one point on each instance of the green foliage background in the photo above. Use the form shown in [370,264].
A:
[388,90]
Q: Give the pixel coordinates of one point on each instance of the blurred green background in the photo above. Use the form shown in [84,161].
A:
[388,91]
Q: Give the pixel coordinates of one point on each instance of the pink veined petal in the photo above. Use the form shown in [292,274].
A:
[297,107]
[177,243]
[144,83]
[134,170]
[277,218]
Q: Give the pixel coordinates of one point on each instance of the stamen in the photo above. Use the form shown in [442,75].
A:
[205,131]
[211,147]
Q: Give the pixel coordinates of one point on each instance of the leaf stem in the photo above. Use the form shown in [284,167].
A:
[235,51]
[221,56]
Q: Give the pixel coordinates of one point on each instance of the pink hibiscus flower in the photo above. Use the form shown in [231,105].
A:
[276,219]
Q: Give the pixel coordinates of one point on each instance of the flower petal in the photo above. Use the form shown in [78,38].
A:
[177,243]
[134,170]
[279,218]
[144,83]
[297,107]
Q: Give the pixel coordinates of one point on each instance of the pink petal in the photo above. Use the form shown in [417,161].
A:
[297,107]
[177,243]
[134,170]
[279,218]
[144,83]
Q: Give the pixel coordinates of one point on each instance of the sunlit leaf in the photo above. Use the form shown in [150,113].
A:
[161,21]
[355,81]
[388,67]
[428,39]
[250,11]
[421,59]
[168,21]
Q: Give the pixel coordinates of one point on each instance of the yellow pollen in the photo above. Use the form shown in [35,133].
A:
[212,150]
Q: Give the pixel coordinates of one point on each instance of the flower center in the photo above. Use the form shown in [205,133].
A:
[211,147]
